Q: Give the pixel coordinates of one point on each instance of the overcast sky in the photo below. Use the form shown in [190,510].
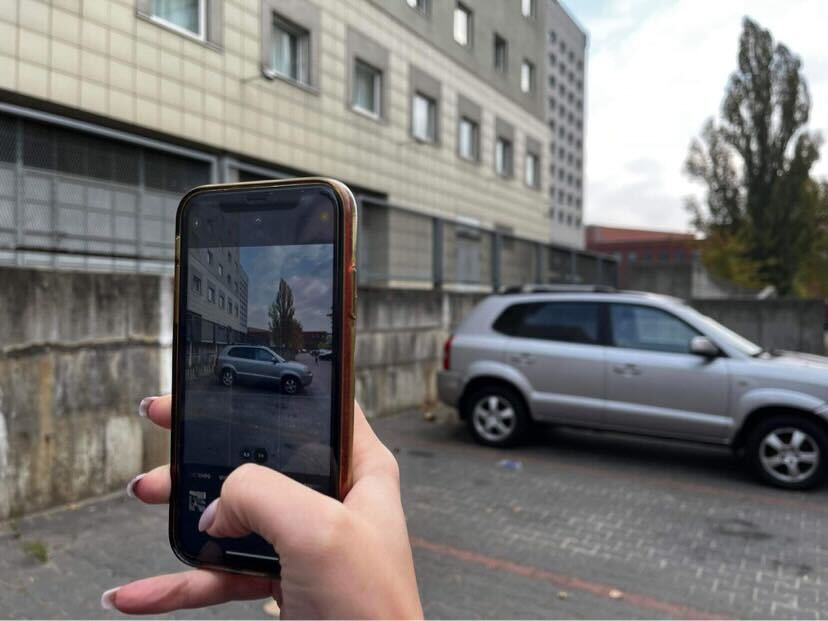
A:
[657,69]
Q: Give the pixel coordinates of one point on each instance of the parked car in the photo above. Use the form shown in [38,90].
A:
[256,362]
[638,363]
[325,354]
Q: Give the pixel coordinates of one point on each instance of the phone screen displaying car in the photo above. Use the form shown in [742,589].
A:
[256,374]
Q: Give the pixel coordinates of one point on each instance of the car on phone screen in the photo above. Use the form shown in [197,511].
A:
[257,362]
[636,363]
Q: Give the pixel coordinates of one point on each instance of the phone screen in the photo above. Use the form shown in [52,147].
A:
[256,368]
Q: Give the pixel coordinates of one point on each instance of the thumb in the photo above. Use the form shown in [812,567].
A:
[256,499]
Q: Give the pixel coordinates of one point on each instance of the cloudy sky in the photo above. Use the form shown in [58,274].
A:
[657,69]
[308,271]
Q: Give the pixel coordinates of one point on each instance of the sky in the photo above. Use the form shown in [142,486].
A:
[308,271]
[656,71]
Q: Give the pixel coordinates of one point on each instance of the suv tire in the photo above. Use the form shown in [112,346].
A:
[291,385]
[496,416]
[787,451]
[228,377]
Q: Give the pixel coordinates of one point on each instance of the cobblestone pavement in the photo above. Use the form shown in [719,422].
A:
[587,525]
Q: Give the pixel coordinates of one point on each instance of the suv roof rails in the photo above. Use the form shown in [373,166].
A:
[558,288]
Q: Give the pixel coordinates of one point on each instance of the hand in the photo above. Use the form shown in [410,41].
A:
[345,560]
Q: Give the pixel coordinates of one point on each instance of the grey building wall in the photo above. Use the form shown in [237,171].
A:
[525,37]
[565,85]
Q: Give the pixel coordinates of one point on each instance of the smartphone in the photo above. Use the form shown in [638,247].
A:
[263,350]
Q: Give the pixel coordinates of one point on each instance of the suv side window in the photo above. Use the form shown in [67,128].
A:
[241,352]
[649,328]
[262,355]
[570,322]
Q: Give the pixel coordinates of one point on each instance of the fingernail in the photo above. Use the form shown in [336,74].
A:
[208,517]
[108,599]
[130,490]
[143,407]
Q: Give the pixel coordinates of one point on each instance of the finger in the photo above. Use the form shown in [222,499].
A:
[157,409]
[189,589]
[255,499]
[370,456]
[152,487]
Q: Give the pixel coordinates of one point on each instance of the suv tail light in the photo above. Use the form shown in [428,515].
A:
[447,353]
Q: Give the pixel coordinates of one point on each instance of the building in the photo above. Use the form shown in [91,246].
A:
[566,59]
[636,247]
[433,112]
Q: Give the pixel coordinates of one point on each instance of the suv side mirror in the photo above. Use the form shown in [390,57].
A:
[703,346]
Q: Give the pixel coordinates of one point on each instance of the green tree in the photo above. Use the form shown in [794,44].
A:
[285,329]
[758,214]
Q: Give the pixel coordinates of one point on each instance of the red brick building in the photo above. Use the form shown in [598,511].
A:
[640,247]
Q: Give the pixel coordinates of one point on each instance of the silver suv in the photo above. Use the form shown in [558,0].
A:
[639,363]
[256,362]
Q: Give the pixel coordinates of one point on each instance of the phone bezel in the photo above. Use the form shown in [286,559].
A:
[343,317]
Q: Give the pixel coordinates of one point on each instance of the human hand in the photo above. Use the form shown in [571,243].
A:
[345,560]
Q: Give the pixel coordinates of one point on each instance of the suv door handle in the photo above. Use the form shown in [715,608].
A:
[522,358]
[628,369]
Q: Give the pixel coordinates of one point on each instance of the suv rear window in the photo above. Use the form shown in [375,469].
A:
[241,352]
[570,322]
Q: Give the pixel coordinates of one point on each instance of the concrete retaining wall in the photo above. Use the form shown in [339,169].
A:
[774,324]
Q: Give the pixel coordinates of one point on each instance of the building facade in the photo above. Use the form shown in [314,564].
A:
[565,84]
[433,112]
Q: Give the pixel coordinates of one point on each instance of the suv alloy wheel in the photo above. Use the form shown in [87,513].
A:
[496,416]
[788,452]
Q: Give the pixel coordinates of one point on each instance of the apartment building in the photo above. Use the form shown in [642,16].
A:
[565,112]
[434,112]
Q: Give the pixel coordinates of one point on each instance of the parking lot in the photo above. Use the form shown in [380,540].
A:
[573,525]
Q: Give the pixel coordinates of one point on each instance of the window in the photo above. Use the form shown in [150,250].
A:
[197,284]
[367,89]
[187,16]
[527,8]
[645,327]
[221,301]
[290,50]
[229,281]
[503,157]
[262,355]
[462,25]
[241,352]
[501,54]
[211,294]
[571,322]
[468,139]
[424,118]
[418,5]
[527,77]
[530,170]
[209,257]
[221,269]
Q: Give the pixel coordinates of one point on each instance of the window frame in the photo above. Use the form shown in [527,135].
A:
[507,169]
[531,87]
[303,49]
[610,327]
[377,89]
[460,8]
[431,118]
[501,42]
[532,157]
[197,284]
[200,36]
[602,310]
[532,8]
[474,156]
[420,6]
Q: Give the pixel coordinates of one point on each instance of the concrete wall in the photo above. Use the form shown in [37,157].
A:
[774,324]
[78,352]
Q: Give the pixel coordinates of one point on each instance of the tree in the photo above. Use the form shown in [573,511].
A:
[759,213]
[285,329]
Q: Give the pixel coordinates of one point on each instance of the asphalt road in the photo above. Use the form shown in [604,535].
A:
[573,525]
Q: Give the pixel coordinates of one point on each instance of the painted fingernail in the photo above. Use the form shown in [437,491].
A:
[130,490]
[208,517]
[108,599]
[144,406]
